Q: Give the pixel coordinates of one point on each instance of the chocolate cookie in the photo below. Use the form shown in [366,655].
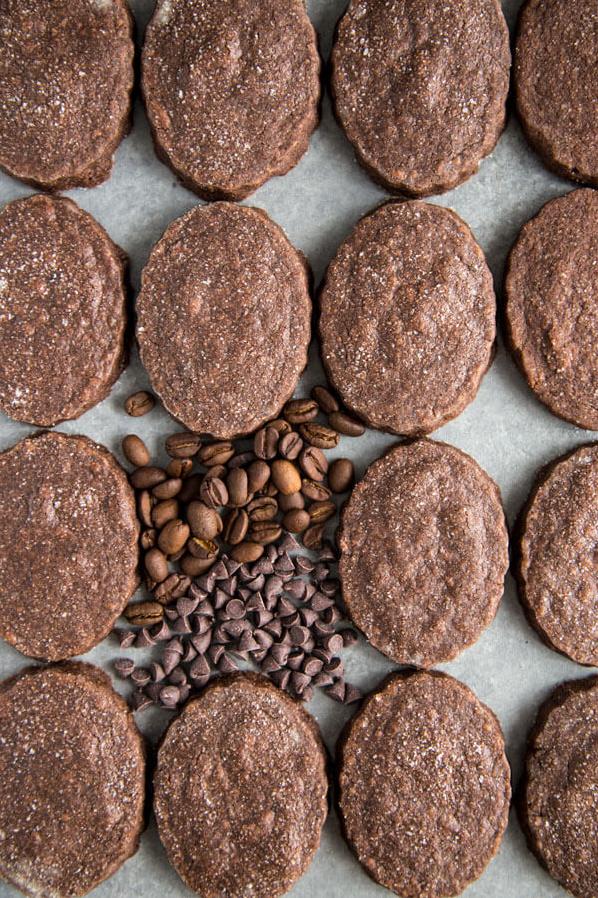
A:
[558,804]
[66,76]
[424,785]
[407,318]
[558,565]
[552,306]
[423,546]
[231,90]
[240,790]
[72,780]
[62,310]
[224,319]
[556,84]
[419,88]
[68,545]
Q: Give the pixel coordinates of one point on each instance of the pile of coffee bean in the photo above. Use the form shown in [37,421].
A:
[219,527]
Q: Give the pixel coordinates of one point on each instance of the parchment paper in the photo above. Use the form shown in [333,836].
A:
[509,433]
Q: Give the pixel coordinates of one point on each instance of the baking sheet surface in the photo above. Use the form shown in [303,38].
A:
[505,429]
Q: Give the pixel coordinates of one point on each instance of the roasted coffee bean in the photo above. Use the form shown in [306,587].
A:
[190,488]
[299,411]
[325,399]
[270,490]
[173,587]
[265,442]
[265,532]
[213,492]
[203,520]
[236,527]
[156,565]
[183,444]
[246,552]
[140,403]
[147,540]
[319,435]
[144,614]
[286,477]
[193,566]
[281,426]
[290,445]
[320,512]
[345,424]
[292,502]
[135,451]
[341,475]
[258,475]
[165,511]
[202,548]
[179,467]
[173,536]
[296,521]
[262,508]
[316,492]
[312,538]
[168,489]
[216,453]
[146,477]
[314,463]
[145,503]
[240,460]
[236,484]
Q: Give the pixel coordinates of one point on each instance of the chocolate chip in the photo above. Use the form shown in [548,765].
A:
[337,691]
[124,667]
[140,676]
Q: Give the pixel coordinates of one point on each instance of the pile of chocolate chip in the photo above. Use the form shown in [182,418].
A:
[229,579]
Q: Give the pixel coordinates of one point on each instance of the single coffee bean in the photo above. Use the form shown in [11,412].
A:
[179,467]
[145,503]
[312,538]
[262,508]
[236,527]
[173,537]
[156,565]
[299,411]
[168,489]
[265,442]
[319,435]
[314,463]
[202,548]
[290,445]
[286,477]
[296,521]
[147,540]
[194,567]
[325,399]
[144,614]
[135,451]
[320,512]
[146,477]
[281,426]
[183,444]
[213,492]
[240,460]
[165,511]
[236,483]
[258,475]
[140,403]
[216,453]
[173,587]
[190,488]
[317,492]
[270,490]
[265,532]
[203,520]
[341,475]
[247,552]
[345,424]
[292,502]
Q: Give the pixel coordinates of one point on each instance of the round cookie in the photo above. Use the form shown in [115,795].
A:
[63,311]
[424,785]
[240,790]
[224,318]
[66,76]
[558,804]
[419,88]
[232,89]
[556,84]
[68,545]
[407,318]
[551,288]
[423,545]
[72,780]
[558,565]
